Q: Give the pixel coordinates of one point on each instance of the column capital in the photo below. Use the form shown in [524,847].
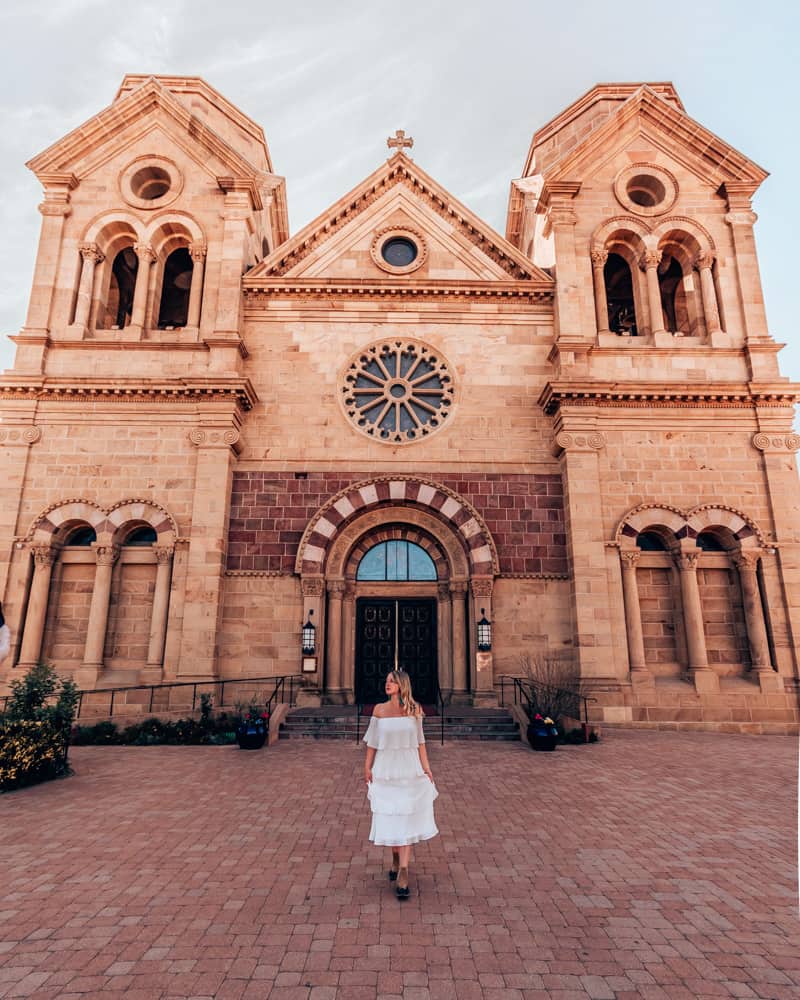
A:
[482,586]
[336,588]
[443,591]
[44,555]
[650,258]
[746,560]
[163,553]
[312,586]
[599,257]
[459,587]
[144,252]
[704,260]
[105,555]
[687,560]
[198,251]
[629,557]
[741,218]
[91,251]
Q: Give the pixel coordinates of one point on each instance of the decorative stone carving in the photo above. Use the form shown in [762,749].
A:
[312,586]
[481,587]
[746,559]
[741,218]
[567,441]
[214,438]
[687,561]
[198,252]
[776,442]
[163,553]
[106,555]
[704,260]
[22,436]
[91,251]
[629,557]
[443,591]
[459,587]
[400,232]
[397,391]
[651,258]
[144,252]
[336,588]
[599,257]
[44,555]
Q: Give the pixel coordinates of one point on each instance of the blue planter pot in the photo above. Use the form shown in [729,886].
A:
[542,737]
[252,735]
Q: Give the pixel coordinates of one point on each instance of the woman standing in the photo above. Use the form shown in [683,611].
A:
[400,785]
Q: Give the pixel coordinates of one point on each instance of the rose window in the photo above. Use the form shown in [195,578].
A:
[398,391]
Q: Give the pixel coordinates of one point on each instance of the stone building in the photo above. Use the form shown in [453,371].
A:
[397,424]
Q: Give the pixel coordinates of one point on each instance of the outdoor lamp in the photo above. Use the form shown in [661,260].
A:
[309,637]
[484,633]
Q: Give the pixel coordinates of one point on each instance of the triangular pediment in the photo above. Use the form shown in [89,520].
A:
[399,196]
[670,129]
[132,115]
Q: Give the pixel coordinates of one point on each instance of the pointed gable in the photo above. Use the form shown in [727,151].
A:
[399,196]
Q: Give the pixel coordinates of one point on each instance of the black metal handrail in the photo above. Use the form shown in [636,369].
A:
[359,710]
[440,705]
[525,691]
[279,682]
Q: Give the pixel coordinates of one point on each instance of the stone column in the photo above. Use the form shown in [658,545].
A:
[599,258]
[709,293]
[198,254]
[650,263]
[572,304]
[208,535]
[138,310]
[333,684]
[746,561]
[445,634]
[106,556]
[225,341]
[90,252]
[483,689]
[458,590]
[348,636]
[633,612]
[741,218]
[158,619]
[43,558]
[705,680]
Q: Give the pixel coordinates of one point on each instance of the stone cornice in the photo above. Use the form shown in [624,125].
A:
[129,390]
[721,395]
[527,292]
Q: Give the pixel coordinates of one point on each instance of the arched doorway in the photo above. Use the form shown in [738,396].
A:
[396,625]
[396,597]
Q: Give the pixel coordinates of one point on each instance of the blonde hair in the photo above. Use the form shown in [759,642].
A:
[401,678]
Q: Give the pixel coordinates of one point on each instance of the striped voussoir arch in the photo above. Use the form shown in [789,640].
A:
[400,491]
[690,523]
[106,521]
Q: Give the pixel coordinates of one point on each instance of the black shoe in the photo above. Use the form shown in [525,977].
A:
[401,888]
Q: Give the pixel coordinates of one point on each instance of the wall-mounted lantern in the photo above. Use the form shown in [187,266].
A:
[484,633]
[309,637]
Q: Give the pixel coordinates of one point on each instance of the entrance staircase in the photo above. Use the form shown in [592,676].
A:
[461,722]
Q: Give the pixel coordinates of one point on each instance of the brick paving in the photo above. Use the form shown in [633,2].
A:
[655,865]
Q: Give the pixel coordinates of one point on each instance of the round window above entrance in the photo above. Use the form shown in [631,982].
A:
[396,561]
[397,391]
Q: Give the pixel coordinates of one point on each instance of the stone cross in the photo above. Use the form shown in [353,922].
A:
[399,141]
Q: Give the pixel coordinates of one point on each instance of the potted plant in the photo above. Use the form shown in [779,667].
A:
[253,728]
[542,732]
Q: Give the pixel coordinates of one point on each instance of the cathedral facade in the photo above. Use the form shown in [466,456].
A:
[431,445]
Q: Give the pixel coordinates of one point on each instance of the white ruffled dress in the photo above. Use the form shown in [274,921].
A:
[400,794]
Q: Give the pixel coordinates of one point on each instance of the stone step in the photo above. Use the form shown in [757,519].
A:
[460,723]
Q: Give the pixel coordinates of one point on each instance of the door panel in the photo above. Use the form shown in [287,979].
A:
[393,633]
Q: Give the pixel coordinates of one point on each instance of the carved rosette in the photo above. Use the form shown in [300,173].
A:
[776,442]
[214,438]
[573,442]
[20,436]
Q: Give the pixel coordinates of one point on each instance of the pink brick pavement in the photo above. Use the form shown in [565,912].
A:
[653,865]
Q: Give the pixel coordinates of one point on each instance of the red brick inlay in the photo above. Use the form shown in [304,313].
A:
[271,510]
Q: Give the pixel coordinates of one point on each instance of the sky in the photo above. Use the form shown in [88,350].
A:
[471,82]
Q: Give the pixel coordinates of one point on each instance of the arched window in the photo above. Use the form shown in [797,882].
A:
[396,561]
[619,295]
[82,536]
[673,296]
[650,541]
[121,288]
[175,287]
[709,542]
[142,536]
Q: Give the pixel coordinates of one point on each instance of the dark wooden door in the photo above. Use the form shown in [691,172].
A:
[395,633]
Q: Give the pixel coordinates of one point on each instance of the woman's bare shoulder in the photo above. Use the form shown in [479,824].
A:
[379,711]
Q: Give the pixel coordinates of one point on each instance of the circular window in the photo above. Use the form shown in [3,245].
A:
[398,250]
[150,182]
[397,391]
[646,189]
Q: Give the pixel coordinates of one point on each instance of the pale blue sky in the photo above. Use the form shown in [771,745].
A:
[470,81]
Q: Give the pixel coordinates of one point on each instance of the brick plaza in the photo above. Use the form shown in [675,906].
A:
[656,865]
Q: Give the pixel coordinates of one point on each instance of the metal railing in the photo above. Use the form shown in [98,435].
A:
[440,706]
[540,697]
[278,694]
[359,708]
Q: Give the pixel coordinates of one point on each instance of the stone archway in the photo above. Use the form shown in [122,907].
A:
[455,537]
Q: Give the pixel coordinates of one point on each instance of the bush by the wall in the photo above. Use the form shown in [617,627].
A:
[35,728]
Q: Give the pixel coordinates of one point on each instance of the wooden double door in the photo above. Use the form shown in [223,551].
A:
[396,633]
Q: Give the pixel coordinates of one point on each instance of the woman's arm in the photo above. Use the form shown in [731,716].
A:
[369,761]
[423,755]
